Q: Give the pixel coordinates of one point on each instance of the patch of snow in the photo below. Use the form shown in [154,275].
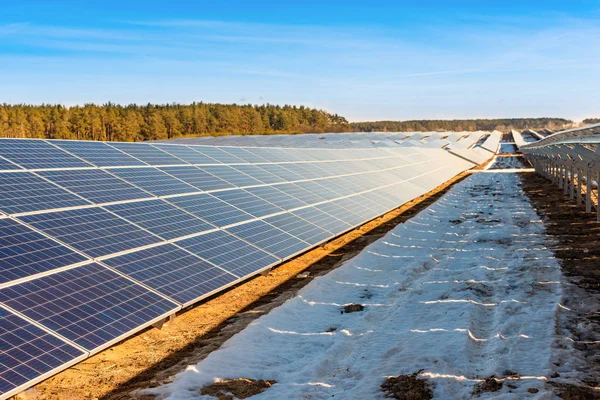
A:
[465,290]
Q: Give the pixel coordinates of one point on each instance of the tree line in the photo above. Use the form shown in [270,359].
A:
[153,122]
[590,121]
[504,124]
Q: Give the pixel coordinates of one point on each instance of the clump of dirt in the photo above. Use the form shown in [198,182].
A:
[491,384]
[240,388]
[407,387]
[572,392]
[455,221]
[486,221]
[350,308]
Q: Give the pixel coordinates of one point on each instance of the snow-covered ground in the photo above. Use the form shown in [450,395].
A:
[465,290]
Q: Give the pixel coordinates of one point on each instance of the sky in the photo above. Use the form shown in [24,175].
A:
[365,60]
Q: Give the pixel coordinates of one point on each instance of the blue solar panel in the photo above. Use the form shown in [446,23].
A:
[211,209]
[6,165]
[173,272]
[247,202]
[98,153]
[244,155]
[187,154]
[259,173]
[231,175]
[298,227]
[161,218]
[89,305]
[34,154]
[300,193]
[95,185]
[29,353]
[228,252]
[321,190]
[154,181]
[271,155]
[148,154]
[305,172]
[276,196]
[24,252]
[337,209]
[217,154]
[94,231]
[323,219]
[269,238]
[197,178]
[282,171]
[360,209]
[25,192]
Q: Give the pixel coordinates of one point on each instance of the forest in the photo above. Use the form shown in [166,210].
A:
[155,122]
[589,121]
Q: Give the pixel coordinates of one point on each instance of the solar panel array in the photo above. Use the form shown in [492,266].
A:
[99,240]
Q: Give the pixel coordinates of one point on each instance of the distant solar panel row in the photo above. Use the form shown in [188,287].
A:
[99,240]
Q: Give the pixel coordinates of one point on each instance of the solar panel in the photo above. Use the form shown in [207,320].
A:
[147,153]
[323,219]
[93,231]
[154,181]
[160,218]
[29,354]
[95,185]
[89,305]
[34,154]
[276,196]
[230,253]
[26,192]
[259,173]
[244,155]
[197,178]
[359,207]
[211,209]
[337,209]
[97,153]
[316,187]
[269,238]
[282,172]
[187,154]
[299,228]
[218,154]
[300,193]
[247,202]
[6,165]
[305,173]
[24,252]
[271,155]
[173,272]
[231,175]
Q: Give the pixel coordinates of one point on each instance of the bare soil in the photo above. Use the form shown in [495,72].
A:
[241,388]
[491,384]
[154,356]
[407,387]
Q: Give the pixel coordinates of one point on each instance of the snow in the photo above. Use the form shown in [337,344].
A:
[465,290]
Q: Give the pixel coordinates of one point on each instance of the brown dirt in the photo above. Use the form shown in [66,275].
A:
[491,384]
[153,356]
[407,387]
[572,392]
[350,308]
[241,388]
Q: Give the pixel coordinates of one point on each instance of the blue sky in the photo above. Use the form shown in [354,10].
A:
[365,60]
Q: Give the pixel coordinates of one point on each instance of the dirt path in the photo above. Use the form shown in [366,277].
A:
[154,355]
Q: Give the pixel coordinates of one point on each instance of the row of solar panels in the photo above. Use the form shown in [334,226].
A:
[90,255]
[344,140]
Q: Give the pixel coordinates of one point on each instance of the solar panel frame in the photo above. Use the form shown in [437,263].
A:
[161,218]
[25,252]
[30,354]
[154,181]
[174,272]
[93,231]
[38,154]
[230,253]
[22,192]
[269,238]
[95,185]
[6,165]
[90,305]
